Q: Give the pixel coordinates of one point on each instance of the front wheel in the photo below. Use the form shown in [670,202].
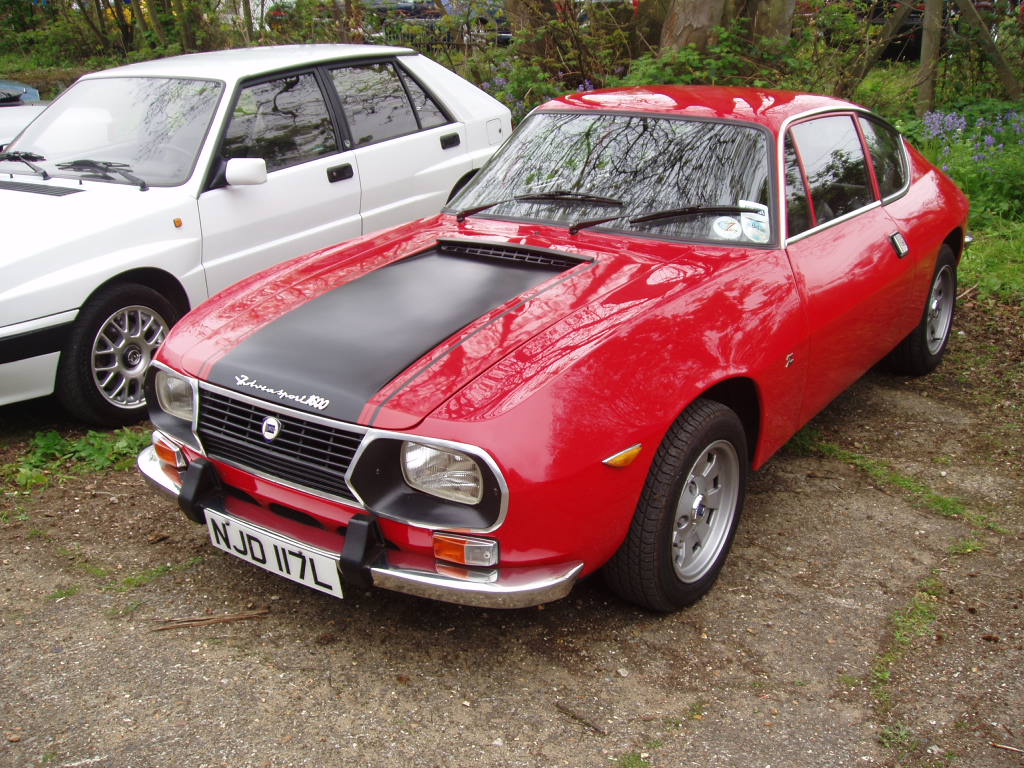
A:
[103,365]
[686,519]
[922,351]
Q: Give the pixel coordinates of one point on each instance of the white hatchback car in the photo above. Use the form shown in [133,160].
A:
[143,190]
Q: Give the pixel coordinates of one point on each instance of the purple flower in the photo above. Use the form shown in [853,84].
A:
[990,141]
[500,82]
[586,85]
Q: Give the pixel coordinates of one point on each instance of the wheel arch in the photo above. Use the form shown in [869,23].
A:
[159,280]
[742,396]
[955,241]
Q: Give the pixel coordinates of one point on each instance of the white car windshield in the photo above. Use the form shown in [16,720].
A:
[129,130]
[706,180]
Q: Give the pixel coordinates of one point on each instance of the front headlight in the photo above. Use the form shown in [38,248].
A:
[446,474]
[174,394]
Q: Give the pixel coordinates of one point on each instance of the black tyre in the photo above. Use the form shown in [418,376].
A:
[686,519]
[922,351]
[103,364]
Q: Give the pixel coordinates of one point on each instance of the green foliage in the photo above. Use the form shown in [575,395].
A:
[982,148]
[995,263]
[51,453]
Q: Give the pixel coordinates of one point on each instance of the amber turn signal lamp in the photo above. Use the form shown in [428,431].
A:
[465,550]
[624,458]
[167,451]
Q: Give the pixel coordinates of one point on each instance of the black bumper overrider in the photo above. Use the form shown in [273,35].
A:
[364,560]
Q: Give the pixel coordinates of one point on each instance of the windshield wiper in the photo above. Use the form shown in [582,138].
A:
[693,210]
[555,194]
[669,213]
[28,158]
[103,169]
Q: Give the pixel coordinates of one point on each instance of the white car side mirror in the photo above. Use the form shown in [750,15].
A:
[242,171]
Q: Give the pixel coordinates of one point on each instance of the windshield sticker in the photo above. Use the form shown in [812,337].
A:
[755,223]
[727,228]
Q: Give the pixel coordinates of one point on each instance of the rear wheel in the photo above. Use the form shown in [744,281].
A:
[104,362]
[922,351]
[686,520]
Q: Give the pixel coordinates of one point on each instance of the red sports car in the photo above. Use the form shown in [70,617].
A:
[574,367]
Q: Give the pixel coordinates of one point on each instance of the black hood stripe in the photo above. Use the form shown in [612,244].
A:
[331,355]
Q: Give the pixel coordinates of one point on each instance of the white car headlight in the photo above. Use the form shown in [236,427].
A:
[174,394]
[447,474]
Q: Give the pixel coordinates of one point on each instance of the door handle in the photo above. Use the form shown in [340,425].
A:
[900,244]
[450,140]
[340,173]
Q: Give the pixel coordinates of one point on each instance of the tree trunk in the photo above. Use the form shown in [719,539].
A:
[931,41]
[1010,83]
[691,22]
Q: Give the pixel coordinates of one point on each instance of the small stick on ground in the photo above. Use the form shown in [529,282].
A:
[202,621]
[1010,749]
[580,718]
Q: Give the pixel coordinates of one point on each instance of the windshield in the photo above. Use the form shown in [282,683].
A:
[150,127]
[707,180]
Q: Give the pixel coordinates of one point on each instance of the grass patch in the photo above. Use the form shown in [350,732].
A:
[51,454]
[125,610]
[633,760]
[81,562]
[150,575]
[60,594]
[966,546]
[995,262]
[808,442]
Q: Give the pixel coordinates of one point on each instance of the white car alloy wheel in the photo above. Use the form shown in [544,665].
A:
[122,351]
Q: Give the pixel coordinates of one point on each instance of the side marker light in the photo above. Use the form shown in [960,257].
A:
[624,458]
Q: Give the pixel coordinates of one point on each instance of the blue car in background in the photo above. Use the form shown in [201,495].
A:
[19,105]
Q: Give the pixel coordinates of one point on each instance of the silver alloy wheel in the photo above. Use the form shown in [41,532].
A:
[940,310]
[121,352]
[705,511]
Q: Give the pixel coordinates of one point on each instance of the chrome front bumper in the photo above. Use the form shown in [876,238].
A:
[515,587]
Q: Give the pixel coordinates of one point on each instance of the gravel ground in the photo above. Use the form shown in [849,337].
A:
[797,658]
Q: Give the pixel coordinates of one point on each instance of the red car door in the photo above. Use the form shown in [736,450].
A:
[847,255]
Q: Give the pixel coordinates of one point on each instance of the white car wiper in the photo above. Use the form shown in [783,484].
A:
[28,158]
[553,195]
[103,169]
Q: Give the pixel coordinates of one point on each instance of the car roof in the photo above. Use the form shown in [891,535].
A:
[758,105]
[238,63]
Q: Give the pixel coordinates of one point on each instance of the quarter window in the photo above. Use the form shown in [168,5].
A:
[798,212]
[886,155]
[430,114]
[284,121]
[837,171]
[374,102]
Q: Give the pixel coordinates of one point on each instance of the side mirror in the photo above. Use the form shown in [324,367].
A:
[246,171]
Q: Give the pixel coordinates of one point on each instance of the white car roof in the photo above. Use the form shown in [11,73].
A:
[238,63]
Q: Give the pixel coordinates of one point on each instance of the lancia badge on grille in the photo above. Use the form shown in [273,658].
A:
[271,428]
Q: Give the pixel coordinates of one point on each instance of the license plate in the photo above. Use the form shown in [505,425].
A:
[286,557]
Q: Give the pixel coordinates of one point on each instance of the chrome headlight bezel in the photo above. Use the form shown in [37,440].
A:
[175,394]
[181,425]
[378,479]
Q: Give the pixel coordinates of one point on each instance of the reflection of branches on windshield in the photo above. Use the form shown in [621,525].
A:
[288,84]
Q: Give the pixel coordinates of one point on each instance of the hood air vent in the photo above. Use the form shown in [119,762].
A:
[38,189]
[518,254]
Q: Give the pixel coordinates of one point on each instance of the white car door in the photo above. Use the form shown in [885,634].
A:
[410,152]
[311,196]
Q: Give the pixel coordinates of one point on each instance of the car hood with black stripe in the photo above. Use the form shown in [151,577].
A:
[409,316]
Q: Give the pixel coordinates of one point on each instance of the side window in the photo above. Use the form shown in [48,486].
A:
[835,165]
[374,102]
[429,112]
[284,121]
[884,146]
[798,211]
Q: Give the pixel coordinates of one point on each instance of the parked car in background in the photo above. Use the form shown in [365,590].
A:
[19,106]
[642,296]
[144,189]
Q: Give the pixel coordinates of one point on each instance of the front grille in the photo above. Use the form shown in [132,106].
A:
[537,257]
[306,454]
[38,189]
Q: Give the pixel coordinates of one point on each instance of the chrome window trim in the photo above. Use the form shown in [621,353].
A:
[832,222]
[780,144]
